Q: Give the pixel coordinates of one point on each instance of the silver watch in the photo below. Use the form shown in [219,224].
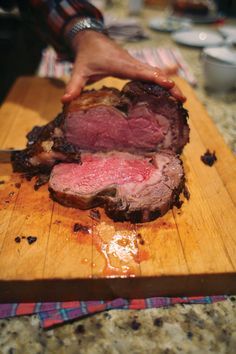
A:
[82,24]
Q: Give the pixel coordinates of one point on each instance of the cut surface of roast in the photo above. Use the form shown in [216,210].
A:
[129,187]
[141,117]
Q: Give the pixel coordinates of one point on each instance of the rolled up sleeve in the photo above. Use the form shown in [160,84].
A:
[51,17]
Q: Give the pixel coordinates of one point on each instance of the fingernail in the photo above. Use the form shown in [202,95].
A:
[67,95]
[167,81]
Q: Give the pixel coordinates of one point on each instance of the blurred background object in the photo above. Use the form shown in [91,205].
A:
[199,11]
[135,7]
[228,7]
[21,49]
[219,76]
[194,7]
[161,3]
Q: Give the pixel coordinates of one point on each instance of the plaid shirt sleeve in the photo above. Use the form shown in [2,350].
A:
[51,16]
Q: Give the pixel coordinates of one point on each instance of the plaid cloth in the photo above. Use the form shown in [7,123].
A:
[52,313]
[49,19]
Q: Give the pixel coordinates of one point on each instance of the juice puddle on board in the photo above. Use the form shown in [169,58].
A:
[118,248]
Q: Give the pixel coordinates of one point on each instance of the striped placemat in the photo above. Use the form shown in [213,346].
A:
[163,57]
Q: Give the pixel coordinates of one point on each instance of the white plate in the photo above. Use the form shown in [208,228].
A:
[229,32]
[168,24]
[197,38]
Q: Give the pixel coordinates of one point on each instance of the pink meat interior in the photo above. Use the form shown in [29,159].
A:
[99,171]
[106,128]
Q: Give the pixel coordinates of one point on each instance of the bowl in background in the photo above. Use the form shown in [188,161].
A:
[219,76]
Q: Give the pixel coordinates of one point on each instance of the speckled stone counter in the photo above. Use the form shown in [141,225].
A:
[179,329]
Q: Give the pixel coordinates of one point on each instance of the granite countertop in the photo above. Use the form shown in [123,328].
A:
[181,328]
[178,329]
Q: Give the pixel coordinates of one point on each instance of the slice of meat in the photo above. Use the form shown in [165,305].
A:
[129,187]
[142,117]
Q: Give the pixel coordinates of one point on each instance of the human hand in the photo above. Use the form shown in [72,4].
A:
[97,56]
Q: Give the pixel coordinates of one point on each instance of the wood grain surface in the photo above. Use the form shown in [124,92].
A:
[191,251]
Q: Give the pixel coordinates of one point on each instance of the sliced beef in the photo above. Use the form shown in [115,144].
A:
[142,117]
[129,187]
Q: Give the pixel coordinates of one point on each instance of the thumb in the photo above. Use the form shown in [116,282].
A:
[74,87]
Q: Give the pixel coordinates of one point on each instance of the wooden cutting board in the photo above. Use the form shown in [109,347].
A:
[191,251]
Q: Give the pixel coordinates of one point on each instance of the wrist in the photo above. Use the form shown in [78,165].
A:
[77,28]
[85,38]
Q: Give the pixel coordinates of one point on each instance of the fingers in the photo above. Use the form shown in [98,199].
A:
[161,79]
[135,70]
[175,91]
[153,74]
[74,87]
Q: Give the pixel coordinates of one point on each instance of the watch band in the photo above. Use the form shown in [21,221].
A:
[82,24]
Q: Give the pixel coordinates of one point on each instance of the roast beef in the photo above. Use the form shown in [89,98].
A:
[142,117]
[117,149]
[129,187]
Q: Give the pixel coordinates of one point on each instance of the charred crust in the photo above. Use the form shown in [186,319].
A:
[31,239]
[186,192]
[176,194]
[20,160]
[154,214]
[81,228]
[134,88]
[209,158]
[95,214]
[59,149]
[41,180]
[39,134]
[60,145]
[134,216]
[34,135]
